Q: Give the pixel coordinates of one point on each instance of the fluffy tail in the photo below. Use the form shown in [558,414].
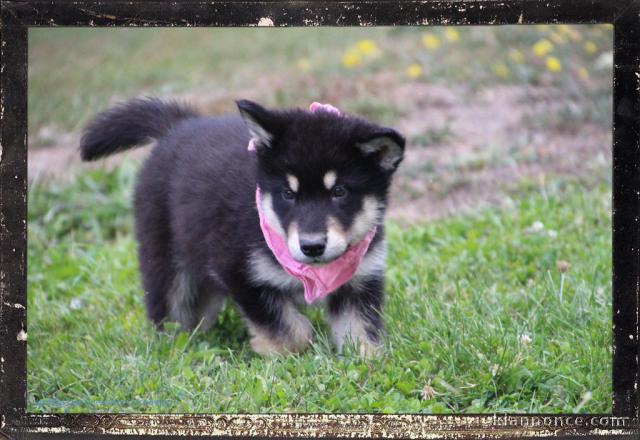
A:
[129,125]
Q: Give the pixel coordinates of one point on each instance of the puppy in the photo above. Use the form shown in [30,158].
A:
[260,208]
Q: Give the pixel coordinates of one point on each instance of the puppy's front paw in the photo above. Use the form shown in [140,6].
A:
[369,349]
[348,328]
[294,337]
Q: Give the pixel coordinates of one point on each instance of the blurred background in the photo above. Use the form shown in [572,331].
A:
[499,266]
[485,109]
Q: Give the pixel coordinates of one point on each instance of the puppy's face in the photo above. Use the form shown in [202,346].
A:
[324,177]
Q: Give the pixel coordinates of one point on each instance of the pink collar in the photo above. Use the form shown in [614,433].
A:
[318,281]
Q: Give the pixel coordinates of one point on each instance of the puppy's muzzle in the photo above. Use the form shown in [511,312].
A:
[313,245]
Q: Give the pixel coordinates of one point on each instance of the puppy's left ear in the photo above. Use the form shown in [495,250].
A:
[263,125]
[387,145]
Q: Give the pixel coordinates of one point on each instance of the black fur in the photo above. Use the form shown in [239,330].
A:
[130,124]
[196,220]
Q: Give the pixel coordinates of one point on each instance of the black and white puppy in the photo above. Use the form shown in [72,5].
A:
[324,180]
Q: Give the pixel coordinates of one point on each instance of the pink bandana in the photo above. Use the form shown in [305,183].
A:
[318,281]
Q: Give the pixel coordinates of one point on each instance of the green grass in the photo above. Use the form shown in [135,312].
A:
[461,294]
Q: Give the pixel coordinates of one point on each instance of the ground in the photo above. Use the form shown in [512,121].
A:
[499,270]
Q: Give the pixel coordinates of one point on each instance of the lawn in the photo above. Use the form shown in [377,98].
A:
[499,267]
[501,310]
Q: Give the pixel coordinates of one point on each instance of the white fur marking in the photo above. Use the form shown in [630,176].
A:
[372,264]
[294,183]
[329,179]
[293,243]
[336,239]
[270,215]
[264,271]
[367,218]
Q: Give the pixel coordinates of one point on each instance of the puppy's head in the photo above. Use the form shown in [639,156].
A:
[324,177]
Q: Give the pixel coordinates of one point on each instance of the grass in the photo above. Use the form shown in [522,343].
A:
[482,316]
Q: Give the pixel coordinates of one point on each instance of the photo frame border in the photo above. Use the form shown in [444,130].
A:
[18,16]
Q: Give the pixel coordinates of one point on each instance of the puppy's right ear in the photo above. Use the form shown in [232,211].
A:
[262,124]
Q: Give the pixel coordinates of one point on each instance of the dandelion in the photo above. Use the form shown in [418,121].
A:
[583,73]
[570,32]
[516,56]
[524,339]
[351,59]
[542,47]
[553,64]
[367,47]
[427,391]
[414,71]
[304,64]
[563,265]
[430,41]
[501,70]
[557,38]
[76,304]
[536,226]
[452,34]
[590,47]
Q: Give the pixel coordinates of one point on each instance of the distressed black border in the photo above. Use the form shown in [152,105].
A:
[17,16]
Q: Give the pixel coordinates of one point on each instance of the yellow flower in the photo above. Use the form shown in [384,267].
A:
[351,59]
[583,73]
[367,47]
[553,64]
[452,34]
[556,37]
[570,32]
[590,47]
[304,64]
[542,47]
[501,70]
[516,56]
[414,71]
[430,41]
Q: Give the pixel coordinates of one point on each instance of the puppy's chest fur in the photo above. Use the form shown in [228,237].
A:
[264,270]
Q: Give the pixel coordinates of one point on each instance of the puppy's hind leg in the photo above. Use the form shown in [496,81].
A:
[154,252]
[195,304]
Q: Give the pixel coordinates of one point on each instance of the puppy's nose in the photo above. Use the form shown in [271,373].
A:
[313,246]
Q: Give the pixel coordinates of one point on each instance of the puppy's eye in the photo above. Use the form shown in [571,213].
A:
[338,192]
[287,194]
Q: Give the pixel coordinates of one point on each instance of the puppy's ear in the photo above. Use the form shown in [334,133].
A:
[386,144]
[262,124]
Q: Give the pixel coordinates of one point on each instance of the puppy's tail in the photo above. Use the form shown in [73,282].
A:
[130,124]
